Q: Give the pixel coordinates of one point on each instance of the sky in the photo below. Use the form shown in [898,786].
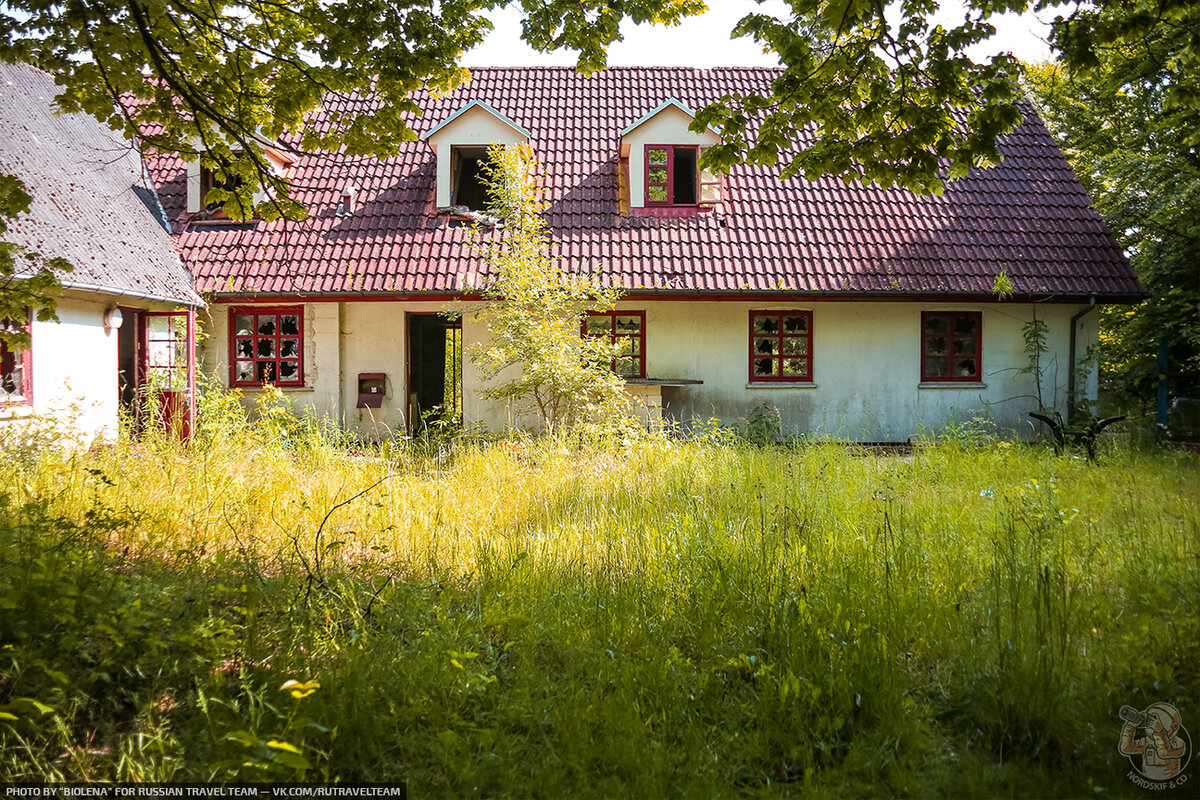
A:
[704,41]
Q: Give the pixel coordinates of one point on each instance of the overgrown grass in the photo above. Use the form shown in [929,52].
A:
[529,619]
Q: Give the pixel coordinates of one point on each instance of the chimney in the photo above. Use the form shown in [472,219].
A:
[346,204]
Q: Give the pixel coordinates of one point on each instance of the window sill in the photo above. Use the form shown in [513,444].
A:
[951,385]
[15,409]
[254,390]
[782,385]
[667,211]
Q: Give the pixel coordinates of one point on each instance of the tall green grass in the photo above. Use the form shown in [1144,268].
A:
[536,619]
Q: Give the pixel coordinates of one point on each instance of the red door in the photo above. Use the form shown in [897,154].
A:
[168,373]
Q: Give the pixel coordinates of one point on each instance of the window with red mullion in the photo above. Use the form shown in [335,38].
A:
[15,368]
[663,172]
[660,175]
[626,331]
[781,346]
[952,346]
[266,346]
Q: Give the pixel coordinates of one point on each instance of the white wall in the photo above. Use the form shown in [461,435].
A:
[75,370]
[74,365]
[866,365]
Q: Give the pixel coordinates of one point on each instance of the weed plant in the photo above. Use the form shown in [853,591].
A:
[537,618]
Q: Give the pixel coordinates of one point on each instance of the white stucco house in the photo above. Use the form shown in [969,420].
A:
[857,312]
[126,317]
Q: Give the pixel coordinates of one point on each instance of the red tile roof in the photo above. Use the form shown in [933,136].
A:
[1029,216]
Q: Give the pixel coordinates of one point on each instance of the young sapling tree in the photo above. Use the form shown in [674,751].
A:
[535,355]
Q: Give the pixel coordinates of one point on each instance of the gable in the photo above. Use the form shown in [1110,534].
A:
[476,125]
[668,124]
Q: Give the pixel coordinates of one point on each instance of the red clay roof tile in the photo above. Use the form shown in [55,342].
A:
[1028,216]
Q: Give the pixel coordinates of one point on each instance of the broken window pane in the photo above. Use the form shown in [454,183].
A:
[764,366]
[964,367]
[964,347]
[266,348]
[597,325]
[289,370]
[795,325]
[266,371]
[935,367]
[629,324]
[289,348]
[289,325]
[765,346]
[243,325]
[266,325]
[244,347]
[795,367]
[795,346]
[935,346]
[626,367]
[965,324]
[244,370]
[935,324]
[627,346]
[764,324]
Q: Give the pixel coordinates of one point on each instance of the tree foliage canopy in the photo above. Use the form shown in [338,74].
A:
[28,282]
[1132,142]
[869,91]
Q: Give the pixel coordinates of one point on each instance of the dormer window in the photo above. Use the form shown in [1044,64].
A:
[460,143]
[660,156]
[467,187]
[670,175]
[202,179]
[209,180]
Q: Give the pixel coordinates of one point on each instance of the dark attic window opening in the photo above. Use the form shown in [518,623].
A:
[467,188]
[685,176]
[209,181]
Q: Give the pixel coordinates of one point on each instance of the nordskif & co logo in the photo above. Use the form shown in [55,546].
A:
[1156,735]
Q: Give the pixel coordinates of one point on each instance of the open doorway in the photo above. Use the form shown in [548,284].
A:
[128,359]
[434,371]
[156,370]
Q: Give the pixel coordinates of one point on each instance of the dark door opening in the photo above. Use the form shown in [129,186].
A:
[128,361]
[434,370]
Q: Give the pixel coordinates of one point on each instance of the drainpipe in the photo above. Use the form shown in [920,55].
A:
[1071,359]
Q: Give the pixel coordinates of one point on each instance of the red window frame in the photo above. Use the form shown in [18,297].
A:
[789,348]
[950,339]
[266,355]
[634,352]
[11,360]
[669,185]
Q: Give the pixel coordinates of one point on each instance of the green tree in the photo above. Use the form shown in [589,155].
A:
[1133,144]
[534,313]
[28,282]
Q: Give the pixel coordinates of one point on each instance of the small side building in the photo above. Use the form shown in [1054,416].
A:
[124,339]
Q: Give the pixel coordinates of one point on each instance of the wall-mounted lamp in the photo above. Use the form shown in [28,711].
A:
[113,318]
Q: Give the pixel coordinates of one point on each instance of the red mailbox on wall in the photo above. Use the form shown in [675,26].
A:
[372,386]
